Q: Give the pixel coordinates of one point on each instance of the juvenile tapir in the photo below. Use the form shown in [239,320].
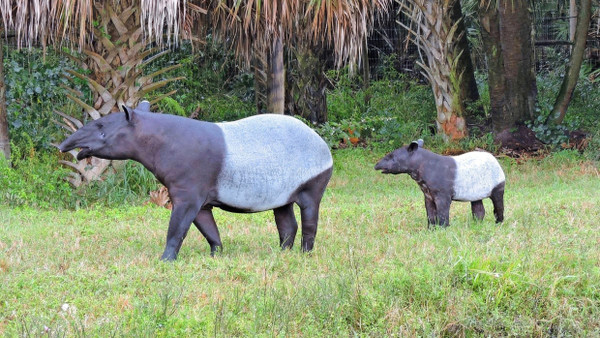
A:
[471,177]
[263,162]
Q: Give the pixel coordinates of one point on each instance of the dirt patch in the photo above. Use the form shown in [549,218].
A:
[522,140]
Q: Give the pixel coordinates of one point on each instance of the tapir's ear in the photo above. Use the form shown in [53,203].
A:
[413,146]
[144,106]
[420,142]
[128,112]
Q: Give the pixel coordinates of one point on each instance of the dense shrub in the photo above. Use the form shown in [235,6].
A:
[389,112]
[214,87]
[35,178]
[583,109]
[34,89]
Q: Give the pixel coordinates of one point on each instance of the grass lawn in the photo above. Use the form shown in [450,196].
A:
[376,268]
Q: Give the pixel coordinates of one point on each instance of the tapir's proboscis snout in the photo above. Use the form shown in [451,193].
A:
[263,162]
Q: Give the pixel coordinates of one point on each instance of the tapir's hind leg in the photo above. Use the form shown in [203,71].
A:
[477,210]
[309,200]
[497,198]
[205,222]
[286,225]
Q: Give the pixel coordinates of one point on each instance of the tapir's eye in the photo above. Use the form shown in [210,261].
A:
[102,135]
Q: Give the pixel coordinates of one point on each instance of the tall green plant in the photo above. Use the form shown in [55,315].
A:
[35,87]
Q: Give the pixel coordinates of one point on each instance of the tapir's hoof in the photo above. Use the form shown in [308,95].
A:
[168,257]
[215,250]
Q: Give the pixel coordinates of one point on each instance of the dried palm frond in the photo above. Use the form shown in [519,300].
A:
[341,25]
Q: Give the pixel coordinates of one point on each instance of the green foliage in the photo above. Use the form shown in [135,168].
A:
[214,88]
[581,114]
[389,113]
[33,91]
[130,184]
[35,179]
[592,151]
[387,132]
[552,134]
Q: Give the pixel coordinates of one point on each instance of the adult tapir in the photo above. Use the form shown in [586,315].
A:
[263,162]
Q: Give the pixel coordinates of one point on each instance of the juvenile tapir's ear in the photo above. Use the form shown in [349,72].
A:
[420,142]
[128,112]
[413,146]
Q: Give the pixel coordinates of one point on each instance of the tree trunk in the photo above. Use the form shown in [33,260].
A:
[310,99]
[573,19]
[276,79]
[508,43]
[572,71]
[441,36]
[4,137]
[468,92]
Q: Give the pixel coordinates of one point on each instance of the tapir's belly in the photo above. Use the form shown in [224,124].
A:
[268,158]
[477,174]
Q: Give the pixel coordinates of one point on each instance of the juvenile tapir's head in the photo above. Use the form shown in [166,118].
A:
[110,137]
[400,161]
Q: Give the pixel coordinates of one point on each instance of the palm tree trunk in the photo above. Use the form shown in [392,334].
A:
[441,37]
[467,85]
[572,72]
[509,50]
[276,79]
[4,137]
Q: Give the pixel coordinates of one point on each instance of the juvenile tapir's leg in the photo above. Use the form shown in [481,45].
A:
[497,198]
[442,207]
[286,225]
[205,222]
[478,210]
[184,212]
[430,208]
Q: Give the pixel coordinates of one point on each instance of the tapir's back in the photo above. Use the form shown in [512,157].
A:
[477,173]
[267,158]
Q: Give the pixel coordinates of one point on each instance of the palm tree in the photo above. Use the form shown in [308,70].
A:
[264,28]
[113,39]
[437,28]
[506,31]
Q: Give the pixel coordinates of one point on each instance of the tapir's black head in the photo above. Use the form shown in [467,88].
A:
[399,161]
[109,137]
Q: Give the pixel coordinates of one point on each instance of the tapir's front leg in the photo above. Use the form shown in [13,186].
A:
[430,208]
[184,212]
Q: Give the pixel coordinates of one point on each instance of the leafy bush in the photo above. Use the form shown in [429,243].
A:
[389,113]
[131,184]
[35,178]
[592,151]
[214,87]
[33,83]
[581,114]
